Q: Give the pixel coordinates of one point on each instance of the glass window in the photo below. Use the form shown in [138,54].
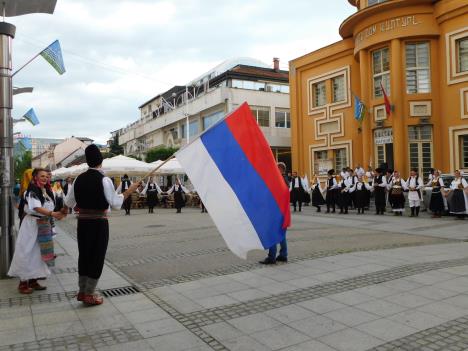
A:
[193,128]
[418,76]
[340,159]
[282,118]
[277,88]
[320,94]
[380,154]
[262,115]
[211,119]
[464,151]
[182,131]
[338,84]
[462,48]
[420,149]
[374,2]
[381,71]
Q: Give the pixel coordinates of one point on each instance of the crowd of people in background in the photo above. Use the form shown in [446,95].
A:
[352,189]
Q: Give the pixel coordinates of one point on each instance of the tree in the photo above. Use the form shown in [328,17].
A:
[160,153]
[115,148]
[22,163]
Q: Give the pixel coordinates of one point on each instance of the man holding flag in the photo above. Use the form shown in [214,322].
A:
[237,179]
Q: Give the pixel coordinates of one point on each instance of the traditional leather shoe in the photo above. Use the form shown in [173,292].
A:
[281,259]
[92,300]
[24,288]
[267,261]
[33,284]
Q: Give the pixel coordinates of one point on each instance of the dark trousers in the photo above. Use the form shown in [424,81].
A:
[283,250]
[93,237]
[127,204]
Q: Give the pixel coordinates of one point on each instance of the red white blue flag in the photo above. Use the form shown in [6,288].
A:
[235,174]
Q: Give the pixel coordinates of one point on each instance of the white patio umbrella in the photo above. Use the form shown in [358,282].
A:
[171,167]
[120,165]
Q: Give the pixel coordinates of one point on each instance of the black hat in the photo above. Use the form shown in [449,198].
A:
[331,171]
[93,156]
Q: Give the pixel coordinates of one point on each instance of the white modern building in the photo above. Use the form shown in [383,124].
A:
[163,119]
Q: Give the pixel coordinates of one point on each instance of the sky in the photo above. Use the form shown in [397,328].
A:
[119,54]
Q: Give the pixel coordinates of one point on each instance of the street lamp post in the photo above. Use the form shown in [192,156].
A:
[10,8]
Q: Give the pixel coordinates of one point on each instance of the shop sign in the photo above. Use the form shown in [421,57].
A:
[383,136]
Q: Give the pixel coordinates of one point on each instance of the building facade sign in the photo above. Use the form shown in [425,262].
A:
[383,136]
[386,26]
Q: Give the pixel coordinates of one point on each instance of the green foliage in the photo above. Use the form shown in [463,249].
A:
[22,163]
[115,148]
[135,157]
[160,153]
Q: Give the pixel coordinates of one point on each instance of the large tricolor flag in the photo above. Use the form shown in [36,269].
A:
[233,170]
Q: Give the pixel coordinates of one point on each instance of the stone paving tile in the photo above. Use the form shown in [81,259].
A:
[289,314]
[407,299]
[311,345]
[350,340]
[223,331]
[56,330]
[179,341]
[317,326]
[245,343]
[279,337]
[443,310]
[322,305]
[159,327]
[216,301]
[417,319]
[449,336]
[386,329]
[140,345]
[381,307]
[254,323]
[351,316]
[248,294]
[151,314]
[15,336]
[432,292]
[351,298]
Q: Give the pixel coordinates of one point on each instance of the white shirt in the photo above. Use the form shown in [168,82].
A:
[414,182]
[457,181]
[115,200]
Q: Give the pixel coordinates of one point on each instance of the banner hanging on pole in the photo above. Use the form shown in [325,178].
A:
[31,117]
[53,55]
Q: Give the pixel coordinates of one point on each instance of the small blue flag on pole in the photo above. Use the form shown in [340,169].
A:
[359,109]
[53,55]
[31,117]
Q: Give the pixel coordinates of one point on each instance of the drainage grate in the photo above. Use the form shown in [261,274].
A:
[126,290]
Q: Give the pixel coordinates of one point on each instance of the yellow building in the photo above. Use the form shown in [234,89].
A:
[418,51]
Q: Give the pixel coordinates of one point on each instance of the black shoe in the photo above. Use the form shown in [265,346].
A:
[267,261]
[281,259]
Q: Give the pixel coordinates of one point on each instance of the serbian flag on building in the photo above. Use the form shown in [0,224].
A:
[233,171]
[388,107]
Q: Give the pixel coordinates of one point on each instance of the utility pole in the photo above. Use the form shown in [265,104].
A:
[186,114]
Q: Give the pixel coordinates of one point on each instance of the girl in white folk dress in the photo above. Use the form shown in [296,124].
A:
[458,202]
[28,262]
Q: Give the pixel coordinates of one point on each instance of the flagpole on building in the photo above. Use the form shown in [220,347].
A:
[27,63]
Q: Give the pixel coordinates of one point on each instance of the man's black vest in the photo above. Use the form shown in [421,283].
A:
[89,191]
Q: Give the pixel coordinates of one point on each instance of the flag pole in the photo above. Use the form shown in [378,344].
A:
[159,166]
[27,63]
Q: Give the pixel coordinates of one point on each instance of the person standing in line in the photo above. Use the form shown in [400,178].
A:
[34,248]
[350,181]
[360,190]
[458,203]
[332,189]
[370,180]
[125,184]
[296,189]
[436,205]
[151,190]
[93,194]
[283,253]
[343,197]
[395,194]
[317,196]
[379,186]
[414,185]
[179,195]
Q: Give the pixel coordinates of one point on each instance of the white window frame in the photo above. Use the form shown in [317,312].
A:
[286,117]
[255,110]
[383,76]
[418,68]
[337,90]
[463,139]
[459,58]
[317,87]
[419,142]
